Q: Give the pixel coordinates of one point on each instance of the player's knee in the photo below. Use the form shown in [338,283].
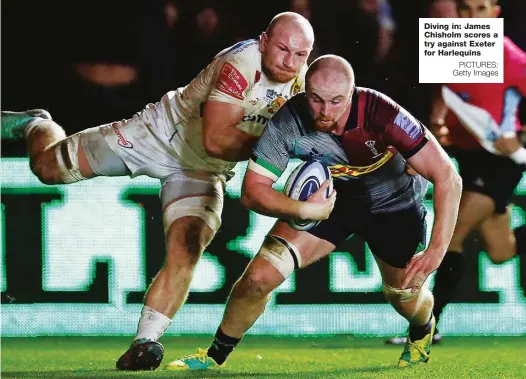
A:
[255,283]
[66,167]
[411,305]
[201,215]
[502,251]
[283,255]
[499,257]
[187,239]
[398,296]
[45,169]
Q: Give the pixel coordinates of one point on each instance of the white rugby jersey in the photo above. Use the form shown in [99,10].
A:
[234,76]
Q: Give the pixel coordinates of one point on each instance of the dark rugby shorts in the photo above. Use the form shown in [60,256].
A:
[490,175]
[394,237]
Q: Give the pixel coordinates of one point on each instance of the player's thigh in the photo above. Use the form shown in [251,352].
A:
[474,208]
[488,182]
[144,145]
[394,238]
[95,156]
[192,204]
[391,275]
[77,157]
[498,237]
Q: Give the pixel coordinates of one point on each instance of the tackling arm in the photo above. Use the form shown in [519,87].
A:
[221,137]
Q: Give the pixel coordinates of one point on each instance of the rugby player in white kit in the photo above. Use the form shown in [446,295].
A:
[190,140]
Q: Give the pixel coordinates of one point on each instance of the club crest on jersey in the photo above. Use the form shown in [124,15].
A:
[276,104]
[370,145]
[271,95]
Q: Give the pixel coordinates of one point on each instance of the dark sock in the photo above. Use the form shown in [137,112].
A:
[222,346]
[447,278]
[417,332]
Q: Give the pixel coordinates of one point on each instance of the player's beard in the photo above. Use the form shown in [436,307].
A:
[280,76]
[327,126]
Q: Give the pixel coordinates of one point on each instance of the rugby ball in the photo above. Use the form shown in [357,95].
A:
[306,179]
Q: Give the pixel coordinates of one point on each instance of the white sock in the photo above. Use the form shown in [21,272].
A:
[152,324]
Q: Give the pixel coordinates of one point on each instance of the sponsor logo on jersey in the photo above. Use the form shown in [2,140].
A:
[262,120]
[121,141]
[343,171]
[275,104]
[408,124]
[231,82]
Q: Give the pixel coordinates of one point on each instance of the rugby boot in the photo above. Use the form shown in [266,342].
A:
[15,123]
[417,352]
[196,361]
[142,355]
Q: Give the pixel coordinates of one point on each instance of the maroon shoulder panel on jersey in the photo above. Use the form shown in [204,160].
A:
[396,126]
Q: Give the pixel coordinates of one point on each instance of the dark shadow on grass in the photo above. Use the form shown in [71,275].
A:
[344,372]
[223,374]
[111,373]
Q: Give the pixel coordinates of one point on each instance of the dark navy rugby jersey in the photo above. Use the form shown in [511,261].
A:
[367,161]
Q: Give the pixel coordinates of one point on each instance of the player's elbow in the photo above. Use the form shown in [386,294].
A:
[248,197]
[247,200]
[446,179]
[457,180]
[453,180]
[212,147]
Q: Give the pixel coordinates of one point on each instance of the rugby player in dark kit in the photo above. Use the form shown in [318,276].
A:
[367,140]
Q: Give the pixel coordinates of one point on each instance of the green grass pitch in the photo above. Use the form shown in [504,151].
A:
[268,357]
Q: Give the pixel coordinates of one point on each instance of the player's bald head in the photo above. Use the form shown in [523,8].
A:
[329,84]
[330,71]
[285,46]
[290,22]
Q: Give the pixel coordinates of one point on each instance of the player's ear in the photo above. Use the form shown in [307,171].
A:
[263,40]
[496,11]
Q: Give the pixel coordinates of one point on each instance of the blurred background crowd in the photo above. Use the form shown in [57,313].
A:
[91,62]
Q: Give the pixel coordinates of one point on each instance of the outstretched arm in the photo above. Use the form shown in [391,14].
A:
[433,163]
